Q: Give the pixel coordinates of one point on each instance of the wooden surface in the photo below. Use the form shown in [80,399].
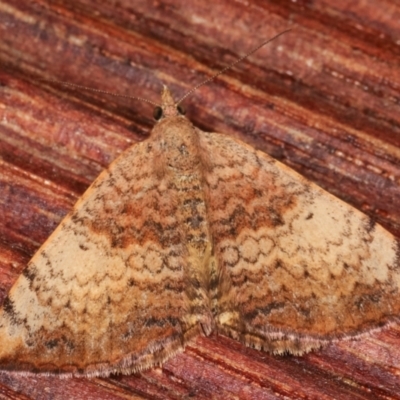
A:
[324,99]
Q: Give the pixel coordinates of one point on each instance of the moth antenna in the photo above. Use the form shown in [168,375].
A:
[230,66]
[73,85]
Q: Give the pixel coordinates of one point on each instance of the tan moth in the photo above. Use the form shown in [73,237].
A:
[187,233]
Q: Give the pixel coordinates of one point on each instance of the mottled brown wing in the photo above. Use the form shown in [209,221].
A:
[297,266]
[105,293]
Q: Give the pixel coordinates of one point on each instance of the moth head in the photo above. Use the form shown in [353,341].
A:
[158,112]
[168,107]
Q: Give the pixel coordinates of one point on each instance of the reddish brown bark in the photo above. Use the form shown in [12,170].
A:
[324,99]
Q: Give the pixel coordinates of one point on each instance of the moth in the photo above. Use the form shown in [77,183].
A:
[188,233]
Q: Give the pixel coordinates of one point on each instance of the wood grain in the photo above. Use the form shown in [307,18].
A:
[324,99]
